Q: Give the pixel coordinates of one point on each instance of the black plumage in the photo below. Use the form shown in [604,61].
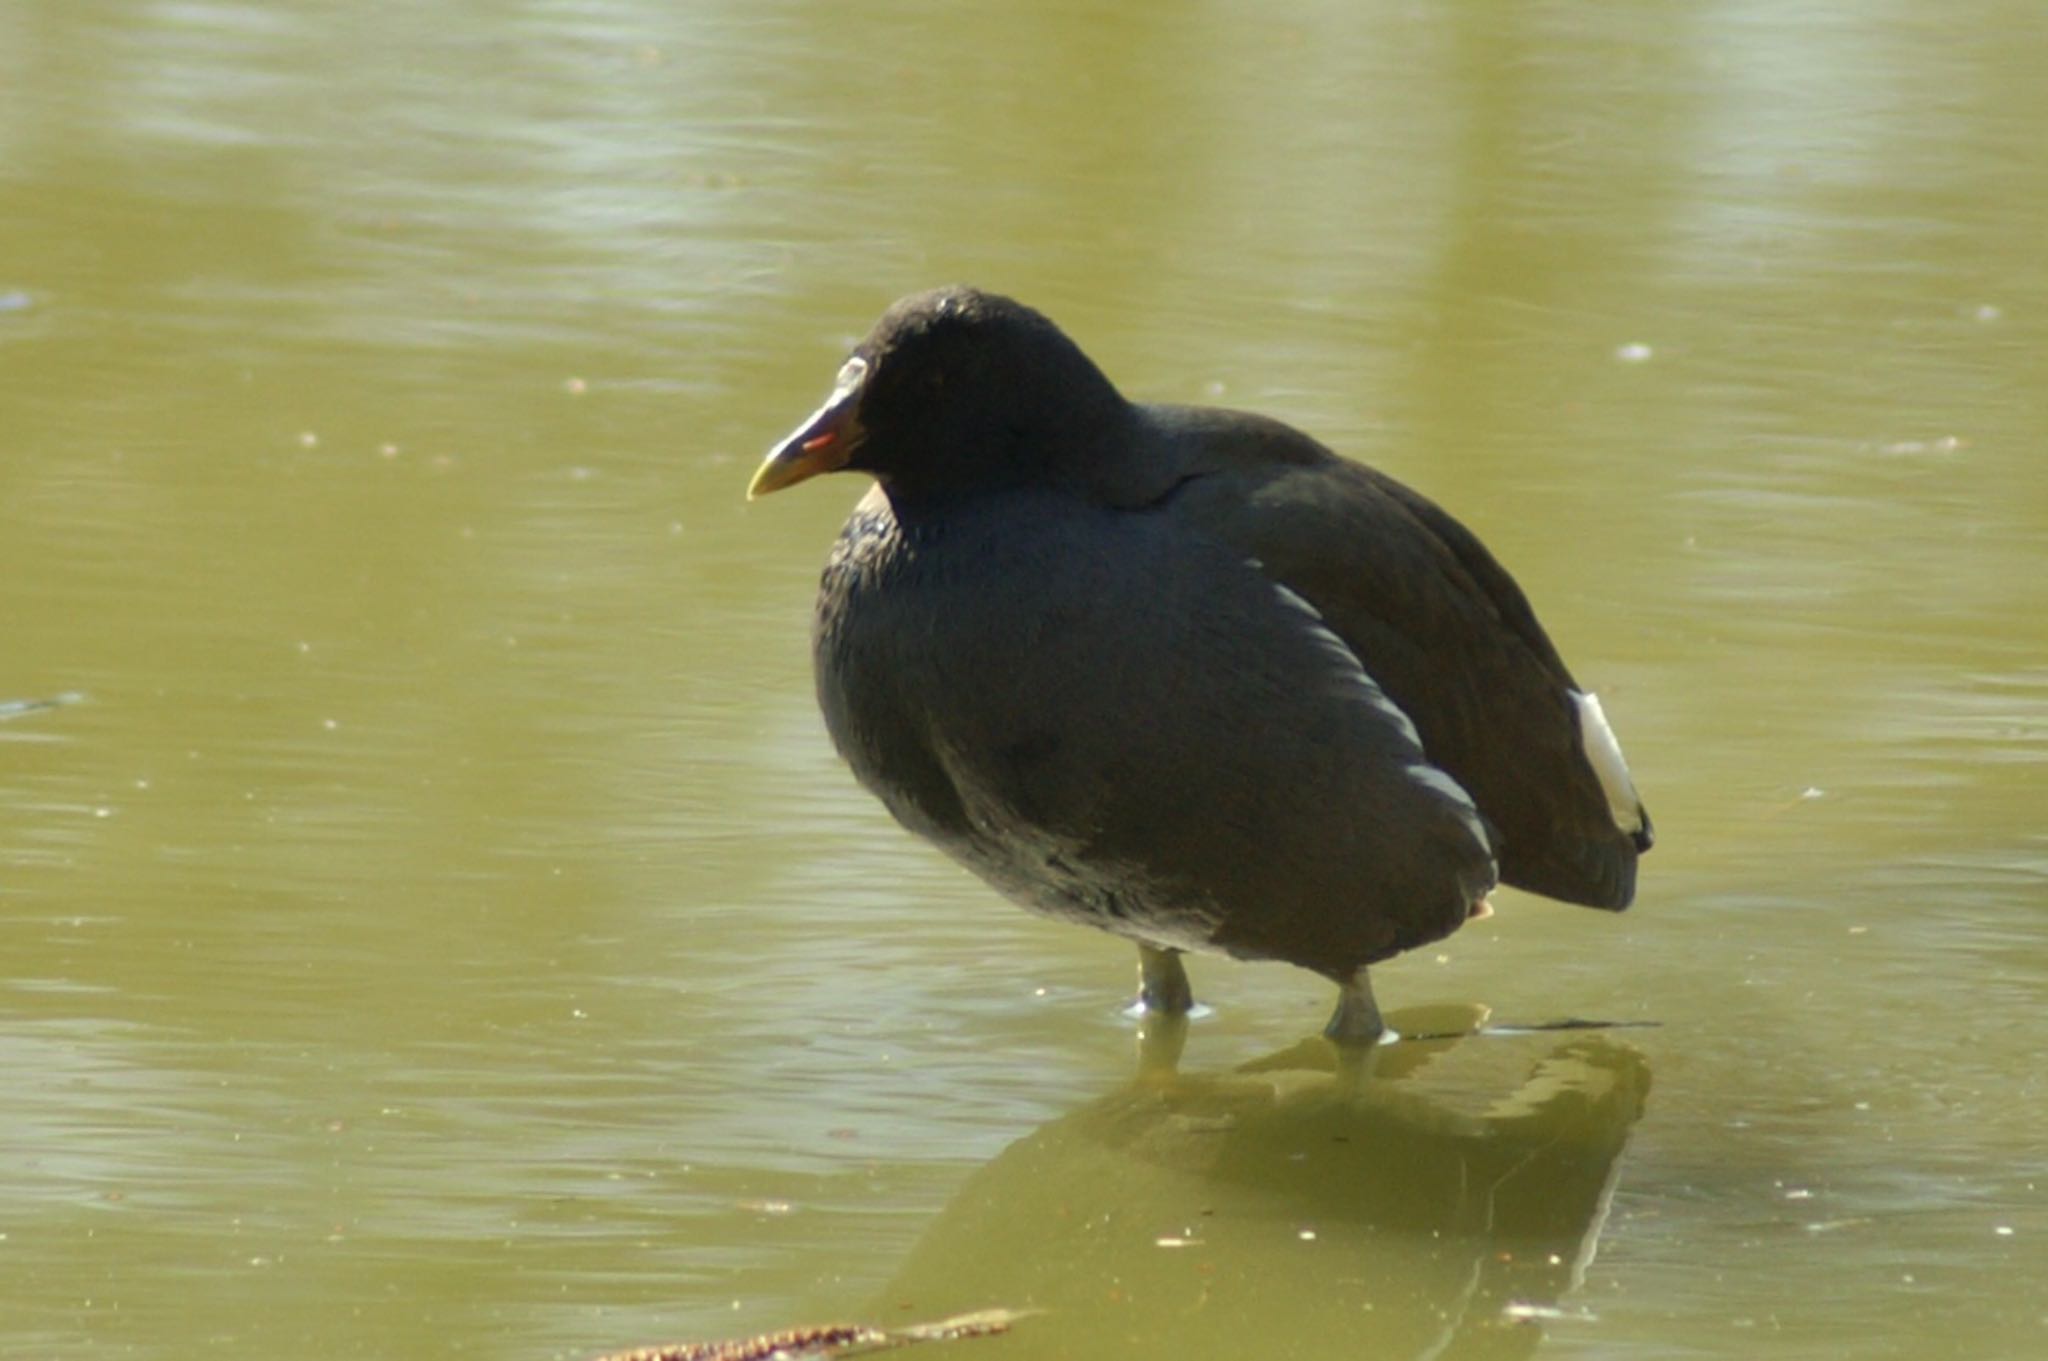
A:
[1184,674]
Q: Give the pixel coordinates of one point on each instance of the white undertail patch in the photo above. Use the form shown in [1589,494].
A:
[1603,753]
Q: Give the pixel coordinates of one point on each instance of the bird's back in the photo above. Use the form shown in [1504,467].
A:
[1430,613]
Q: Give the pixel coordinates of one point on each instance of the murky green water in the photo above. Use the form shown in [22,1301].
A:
[442,928]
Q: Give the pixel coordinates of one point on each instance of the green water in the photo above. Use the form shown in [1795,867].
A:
[441,927]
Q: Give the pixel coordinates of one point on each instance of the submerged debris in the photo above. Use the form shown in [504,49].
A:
[825,1341]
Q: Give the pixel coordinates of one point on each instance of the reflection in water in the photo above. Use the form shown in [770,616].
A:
[1290,1207]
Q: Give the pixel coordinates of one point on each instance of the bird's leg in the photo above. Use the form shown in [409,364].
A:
[1162,982]
[1357,1018]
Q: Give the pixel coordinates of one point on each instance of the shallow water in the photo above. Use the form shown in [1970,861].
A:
[440,925]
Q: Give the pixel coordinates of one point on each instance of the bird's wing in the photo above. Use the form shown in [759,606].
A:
[1433,618]
[1147,733]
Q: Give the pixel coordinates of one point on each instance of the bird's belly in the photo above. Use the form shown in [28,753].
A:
[1055,878]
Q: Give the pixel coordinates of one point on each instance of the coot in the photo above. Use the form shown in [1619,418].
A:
[1184,674]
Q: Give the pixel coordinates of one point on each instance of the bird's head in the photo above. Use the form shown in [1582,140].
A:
[954,392]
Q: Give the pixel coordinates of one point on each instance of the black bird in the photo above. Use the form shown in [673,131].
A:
[1183,674]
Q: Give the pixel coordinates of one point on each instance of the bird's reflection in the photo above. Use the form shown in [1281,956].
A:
[1439,1198]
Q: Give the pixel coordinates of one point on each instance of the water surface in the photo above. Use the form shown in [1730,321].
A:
[442,928]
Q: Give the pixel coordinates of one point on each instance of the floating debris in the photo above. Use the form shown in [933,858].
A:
[825,1341]
[1907,448]
[1521,1311]
[1835,1225]
[1567,1023]
[15,708]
